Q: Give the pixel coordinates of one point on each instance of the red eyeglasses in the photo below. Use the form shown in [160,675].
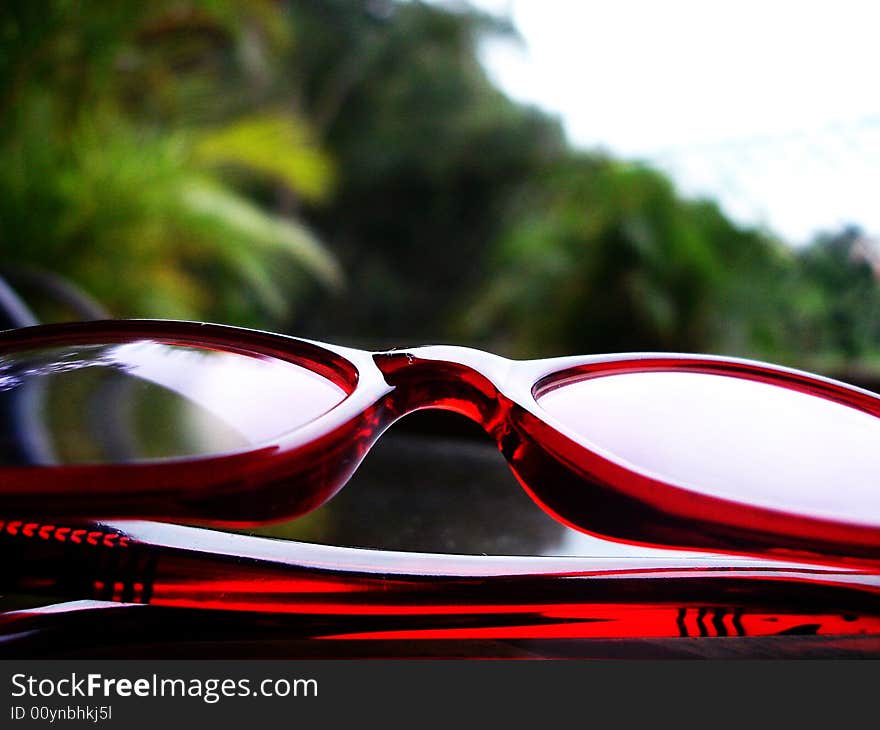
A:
[176,421]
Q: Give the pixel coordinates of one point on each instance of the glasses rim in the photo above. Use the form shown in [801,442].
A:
[373,382]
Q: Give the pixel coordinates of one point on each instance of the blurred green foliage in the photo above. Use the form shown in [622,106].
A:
[428,151]
[612,253]
[125,168]
[840,299]
[173,158]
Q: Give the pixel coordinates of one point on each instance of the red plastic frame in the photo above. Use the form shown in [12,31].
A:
[304,468]
[350,595]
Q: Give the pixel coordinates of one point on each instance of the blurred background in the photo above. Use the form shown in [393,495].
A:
[536,178]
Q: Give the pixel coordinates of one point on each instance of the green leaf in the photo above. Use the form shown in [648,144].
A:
[274,145]
[263,230]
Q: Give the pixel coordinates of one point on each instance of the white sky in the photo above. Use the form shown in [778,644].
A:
[772,107]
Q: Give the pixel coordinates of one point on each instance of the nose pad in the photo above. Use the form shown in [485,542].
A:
[456,379]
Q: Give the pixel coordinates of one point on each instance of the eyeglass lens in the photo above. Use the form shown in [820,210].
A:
[113,403]
[733,438]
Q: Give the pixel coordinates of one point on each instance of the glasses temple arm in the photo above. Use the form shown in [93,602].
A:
[176,566]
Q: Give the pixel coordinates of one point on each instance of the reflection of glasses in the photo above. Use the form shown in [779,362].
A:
[184,421]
